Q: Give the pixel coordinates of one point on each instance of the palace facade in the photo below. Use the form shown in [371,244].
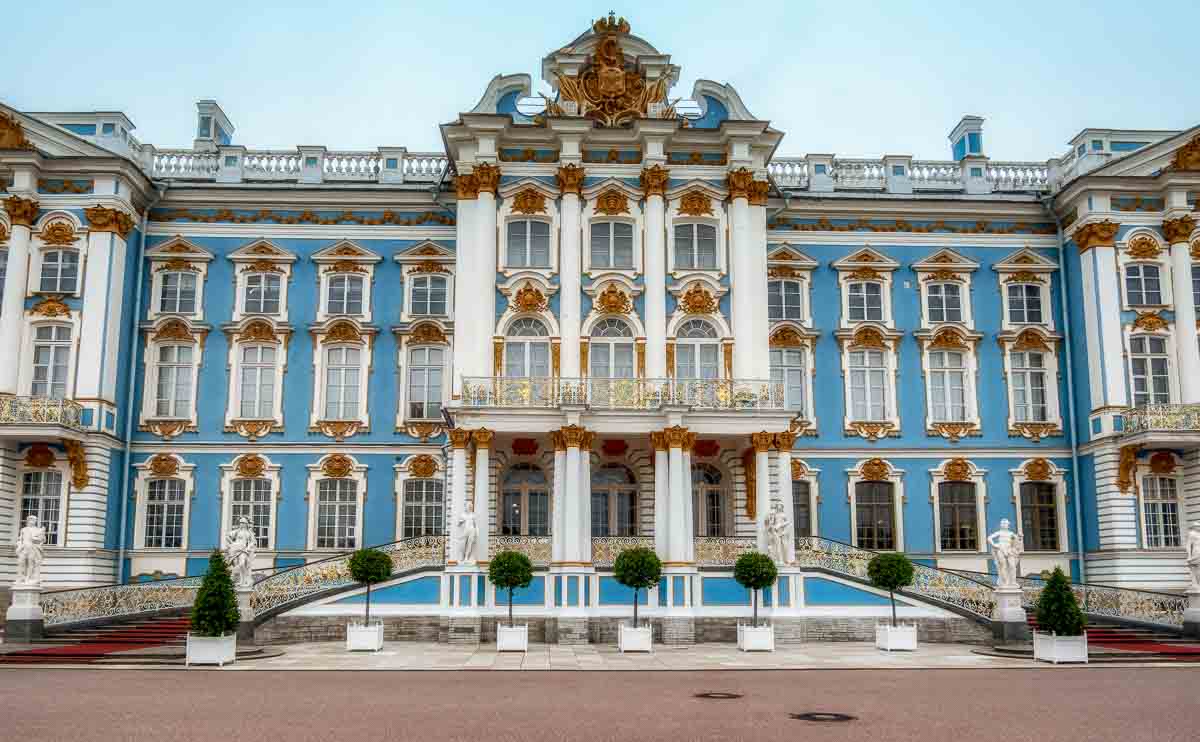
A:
[610,318]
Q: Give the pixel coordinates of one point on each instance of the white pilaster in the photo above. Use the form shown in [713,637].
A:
[756,345]
[458,482]
[662,535]
[102,279]
[571,546]
[762,487]
[1186,344]
[656,288]
[687,515]
[558,527]
[741,266]
[483,493]
[470,338]
[21,213]
[583,526]
[569,276]
[1107,308]
[676,518]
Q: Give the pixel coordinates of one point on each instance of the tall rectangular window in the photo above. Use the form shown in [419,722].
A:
[429,296]
[528,244]
[337,514]
[695,247]
[60,272]
[947,386]
[425,383]
[41,495]
[342,383]
[945,302]
[4,269]
[868,385]
[696,361]
[539,514]
[262,293]
[1025,303]
[1142,285]
[177,293]
[865,301]
[802,509]
[1160,510]
[787,371]
[252,499]
[1151,371]
[784,300]
[258,382]
[346,295]
[1029,386]
[1195,286]
[51,357]
[164,514]
[174,389]
[424,512]
[959,516]
[875,515]
[1039,516]
[612,245]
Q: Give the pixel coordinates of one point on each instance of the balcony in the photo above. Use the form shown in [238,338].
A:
[621,394]
[1162,423]
[33,413]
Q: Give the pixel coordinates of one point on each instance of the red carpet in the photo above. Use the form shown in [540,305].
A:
[96,643]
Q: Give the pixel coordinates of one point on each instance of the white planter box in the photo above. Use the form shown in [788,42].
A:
[756,639]
[1055,648]
[630,639]
[512,638]
[211,650]
[364,638]
[891,638]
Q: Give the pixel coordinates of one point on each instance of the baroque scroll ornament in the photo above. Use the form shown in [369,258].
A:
[423,466]
[613,300]
[337,466]
[612,202]
[164,466]
[695,203]
[251,466]
[59,233]
[529,201]
[697,300]
[957,470]
[875,470]
[1039,470]
[529,299]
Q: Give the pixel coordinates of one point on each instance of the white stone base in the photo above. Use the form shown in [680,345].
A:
[1008,605]
[630,639]
[211,650]
[1054,648]
[892,638]
[755,638]
[26,603]
[364,637]
[512,638]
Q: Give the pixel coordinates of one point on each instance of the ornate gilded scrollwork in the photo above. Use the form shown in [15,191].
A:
[1039,470]
[251,429]
[697,300]
[612,300]
[339,430]
[422,466]
[570,179]
[1126,467]
[344,332]
[875,470]
[871,431]
[654,180]
[21,211]
[39,456]
[51,306]
[1095,234]
[78,462]
[952,431]
[258,331]
[162,465]
[101,219]
[1144,247]
[957,470]
[487,177]
[1186,157]
[529,298]
[1034,431]
[466,187]
[427,333]
[251,466]
[337,466]
[612,202]
[1179,230]
[529,201]
[12,136]
[695,203]
[59,232]
[1150,321]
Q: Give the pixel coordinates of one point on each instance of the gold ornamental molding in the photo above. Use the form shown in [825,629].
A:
[529,201]
[21,211]
[654,180]
[1034,431]
[759,192]
[612,202]
[102,219]
[762,441]
[612,300]
[1039,470]
[942,274]
[738,182]
[697,300]
[344,332]
[251,430]
[497,356]
[799,470]
[1186,157]
[174,330]
[459,437]
[177,264]
[1023,277]
[1030,340]
[875,470]
[51,306]
[64,186]
[1126,467]
[982,226]
[39,456]
[337,466]
[339,430]
[1145,247]
[639,349]
[251,466]
[868,337]
[957,470]
[3,234]
[258,331]
[569,178]
[787,337]
[466,187]
[427,334]
[1179,230]
[487,177]
[872,431]
[695,203]
[575,436]
[423,431]
[59,232]
[1150,321]
[953,432]
[529,298]
[78,462]
[167,429]
[785,441]
[865,274]
[12,136]
[948,339]
[163,465]
[307,216]
[1096,234]
[483,438]
[784,271]
[422,466]
[675,436]
[728,352]
[1162,463]
[345,266]
[429,266]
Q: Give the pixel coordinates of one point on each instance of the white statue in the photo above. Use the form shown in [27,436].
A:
[1193,554]
[31,549]
[466,535]
[1007,548]
[779,543]
[240,547]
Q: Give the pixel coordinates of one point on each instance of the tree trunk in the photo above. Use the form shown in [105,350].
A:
[510,619]
[754,593]
[635,602]
[892,595]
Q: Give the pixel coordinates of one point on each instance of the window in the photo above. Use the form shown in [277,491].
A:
[262,293]
[1151,372]
[1160,509]
[41,495]
[784,300]
[429,296]
[1025,303]
[957,506]
[258,382]
[1029,387]
[695,247]
[696,351]
[611,353]
[525,500]
[4,269]
[787,371]
[945,302]
[51,355]
[60,271]
[346,295]
[875,515]
[164,514]
[710,511]
[612,245]
[425,383]
[1142,286]
[252,499]
[947,386]
[174,392]
[614,501]
[342,369]
[337,514]
[177,293]
[528,244]
[802,509]
[866,301]
[424,508]
[1195,285]
[525,356]
[1039,516]
[868,385]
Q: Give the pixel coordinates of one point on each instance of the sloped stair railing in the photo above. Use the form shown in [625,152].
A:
[1104,601]
[106,602]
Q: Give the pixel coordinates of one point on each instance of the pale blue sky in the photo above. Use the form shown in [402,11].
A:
[853,78]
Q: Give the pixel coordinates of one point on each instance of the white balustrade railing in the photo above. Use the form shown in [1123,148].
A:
[351,166]
[40,411]
[288,165]
[423,166]
[849,173]
[789,172]
[184,164]
[622,394]
[936,175]
[271,166]
[1019,176]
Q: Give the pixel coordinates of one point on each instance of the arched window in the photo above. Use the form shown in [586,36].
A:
[177,293]
[1143,285]
[1151,370]
[528,244]
[257,390]
[252,499]
[787,370]
[710,501]
[945,302]
[611,352]
[425,383]
[262,293]
[1024,304]
[527,350]
[784,300]
[60,271]
[51,361]
[428,296]
[424,508]
[695,247]
[696,351]
[345,295]
[342,386]
[614,501]
[865,301]
[525,502]
[164,514]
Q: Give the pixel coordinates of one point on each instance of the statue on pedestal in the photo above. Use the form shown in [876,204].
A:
[467,530]
[1007,548]
[778,524]
[1193,555]
[241,546]
[31,549]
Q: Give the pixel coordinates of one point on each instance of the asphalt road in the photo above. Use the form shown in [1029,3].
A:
[1046,705]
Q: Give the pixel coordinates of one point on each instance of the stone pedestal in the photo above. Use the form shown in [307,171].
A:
[1009,622]
[24,617]
[245,632]
[1191,616]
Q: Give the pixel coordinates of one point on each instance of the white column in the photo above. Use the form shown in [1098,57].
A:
[483,302]
[740,268]
[687,503]
[483,491]
[656,273]
[1186,345]
[677,498]
[584,524]
[1102,313]
[571,547]
[762,485]
[22,213]
[459,438]
[783,463]
[470,338]
[662,535]
[102,287]
[757,344]
[559,521]
[569,275]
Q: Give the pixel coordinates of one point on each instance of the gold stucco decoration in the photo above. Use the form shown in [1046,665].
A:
[101,219]
[78,462]
[487,177]
[51,306]
[337,466]
[21,211]
[1179,230]
[1187,157]
[697,300]
[868,337]
[875,470]
[529,298]
[1095,234]
[427,333]
[787,337]
[612,300]
[343,332]
[570,179]
[59,232]
[1039,470]
[529,201]
[422,466]
[258,331]
[612,202]
[174,330]
[957,470]
[654,180]
[163,465]
[1150,321]
[695,203]
[1144,247]
[251,466]
[12,136]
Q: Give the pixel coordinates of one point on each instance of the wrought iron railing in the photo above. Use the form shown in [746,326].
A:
[622,394]
[605,549]
[114,601]
[537,548]
[1162,417]
[40,411]
[721,551]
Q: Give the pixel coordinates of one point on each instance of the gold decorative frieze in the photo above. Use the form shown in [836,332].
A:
[459,437]
[78,462]
[654,180]
[1179,230]
[612,202]
[639,350]
[339,430]
[345,266]
[612,300]
[872,431]
[698,300]
[177,264]
[1126,468]
[1162,463]
[825,224]
[1039,470]
[426,334]
[51,306]
[21,211]
[799,470]
[64,186]
[1150,321]
[258,331]
[423,431]
[573,435]
[875,470]
[1186,157]
[497,355]
[948,339]
[785,441]
[101,219]
[306,216]
[344,332]
[671,358]
[1034,431]
[251,466]
[162,465]
[1030,340]
[466,187]
[39,456]
[869,337]
[1023,277]
[529,201]
[251,430]
[570,179]
[787,337]
[174,330]
[953,431]
[59,232]
[957,470]
[429,266]
[528,154]
[487,177]
[167,429]
[675,436]
[1144,247]
[12,136]
[337,466]
[422,466]
[942,274]
[529,298]
[865,274]
[1095,234]
[695,203]
[784,271]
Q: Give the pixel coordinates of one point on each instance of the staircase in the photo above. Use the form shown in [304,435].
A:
[1131,643]
[93,644]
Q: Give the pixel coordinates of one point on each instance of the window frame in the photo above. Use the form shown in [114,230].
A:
[612,223]
[39,278]
[1147,357]
[528,258]
[262,257]
[60,468]
[895,477]
[1057,480]
[804,407]
[802,308]
[345,259]
[613,493]
[237,367]
[56,346]
[1142,293]
[321,348]
[145,474]
[801,472]
[150,361]
[1145,475]
[723,489]
[177,255]
[524,491]
[263,278]
[411,366]
[429,278]
[698,344]
[945,474]
[230,475]
[695,225]
[316,474]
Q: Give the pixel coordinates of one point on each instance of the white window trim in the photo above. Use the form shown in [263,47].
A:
[717,222]
[1162,261]
[37,254]
[229,472]
[813,478]
[896,478]
[403,352]
[866,265]
[141,490]
[891,374]
[345,259]
[805,347]
[787,263]
[1143,470]
[358,473]
[956,342]
[150,375]
[506,216]
[634,218]
[1058,479]
[421,271]
[320,345]
[158,269]
[234,360]
[261,257]
[1053,410]
[28,335]
[805,298]
[1172,356]
[403,474]
[1025,267]
[60,465]
[963,282]
[977,477]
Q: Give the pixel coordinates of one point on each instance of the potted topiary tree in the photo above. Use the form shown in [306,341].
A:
[213,638]
[1061,634]
[638,568]
[367,566]
[891,572]
[755,571]
[509,570]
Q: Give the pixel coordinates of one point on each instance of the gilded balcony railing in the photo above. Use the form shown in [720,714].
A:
[114,601]
[537,548]
[622,394]
[40,411]
[721,551]
[606,549]
[1167,418]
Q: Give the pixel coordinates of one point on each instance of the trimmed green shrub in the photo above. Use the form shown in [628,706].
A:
[369,566]
[890,571]
[215,610]
[638,568]
[509,570]
[755,571]
[1057,609]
